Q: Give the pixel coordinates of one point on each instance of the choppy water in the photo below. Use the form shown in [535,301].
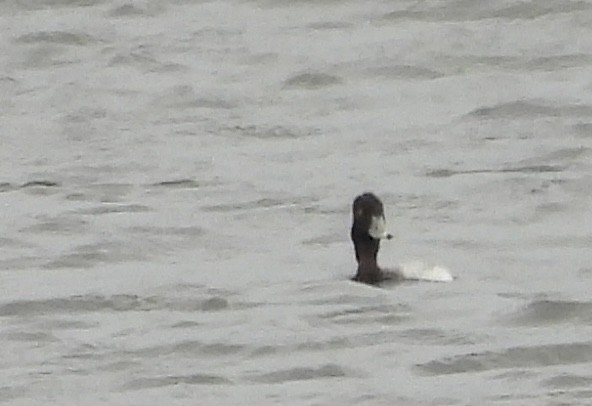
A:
[176,180]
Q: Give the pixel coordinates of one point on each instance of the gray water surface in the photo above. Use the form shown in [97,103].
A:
[176,180]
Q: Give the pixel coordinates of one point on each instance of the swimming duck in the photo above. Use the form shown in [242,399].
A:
[368,228]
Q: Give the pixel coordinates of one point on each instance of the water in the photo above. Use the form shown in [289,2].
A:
[176,181]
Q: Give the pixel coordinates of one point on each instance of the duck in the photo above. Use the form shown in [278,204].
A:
[367,230]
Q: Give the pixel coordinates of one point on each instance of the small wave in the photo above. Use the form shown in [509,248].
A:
[110,208]
[475,11]
[301,374]
[384,314]
[529,109]
[330,25]
[401,72]
[42,183]
[312,80]
[271,131]
[87,303]
[196,300]
[513,357]
[178,183]
[57,37]
[446,173]
[56,225]
[263,203]
[133,10]
[7,186]
[541,312]
[568,381]
[158,382]
[435,336]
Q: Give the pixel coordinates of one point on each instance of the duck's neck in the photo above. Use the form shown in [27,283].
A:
[366,253]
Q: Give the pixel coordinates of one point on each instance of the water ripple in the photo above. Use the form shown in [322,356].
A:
[513,357]
[179,183]
[57,37]
[565,381]
[312,80]
[445,173]
[463,10]
[158,382]
[301,374]
[118,303]
[529,109]
[542,312]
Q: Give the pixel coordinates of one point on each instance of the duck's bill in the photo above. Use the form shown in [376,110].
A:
[378,229]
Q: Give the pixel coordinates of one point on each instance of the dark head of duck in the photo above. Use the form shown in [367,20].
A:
[368,228]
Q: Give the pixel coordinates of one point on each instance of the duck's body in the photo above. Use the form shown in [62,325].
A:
[368,228]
